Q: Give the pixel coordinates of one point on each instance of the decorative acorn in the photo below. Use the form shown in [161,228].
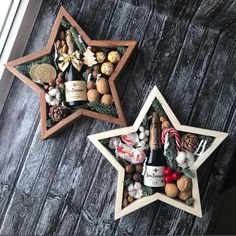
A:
[58,113]
[189,142]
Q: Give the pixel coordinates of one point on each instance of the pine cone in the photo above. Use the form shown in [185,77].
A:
[189,142]
[58,113]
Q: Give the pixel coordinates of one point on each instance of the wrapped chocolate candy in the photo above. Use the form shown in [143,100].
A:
[130,139]
[130,154]
[107,68]
[114,57]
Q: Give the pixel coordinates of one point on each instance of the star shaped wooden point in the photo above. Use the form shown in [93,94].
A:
[44,108]
[194,209]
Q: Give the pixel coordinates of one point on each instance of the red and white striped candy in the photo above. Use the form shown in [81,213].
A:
[176,135]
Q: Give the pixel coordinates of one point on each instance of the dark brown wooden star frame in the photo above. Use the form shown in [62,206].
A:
[120,120]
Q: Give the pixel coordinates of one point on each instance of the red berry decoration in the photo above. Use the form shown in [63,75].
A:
[167,170]
[176,176]
[168,179]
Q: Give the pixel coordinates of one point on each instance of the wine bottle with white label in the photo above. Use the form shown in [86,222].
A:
[156,161]
[75,87]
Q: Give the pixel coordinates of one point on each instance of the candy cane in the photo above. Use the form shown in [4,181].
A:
[176,135]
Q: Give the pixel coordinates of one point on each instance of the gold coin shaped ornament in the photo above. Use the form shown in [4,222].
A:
[33,72]
[45,72]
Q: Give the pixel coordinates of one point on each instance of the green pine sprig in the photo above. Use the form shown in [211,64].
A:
[65,23]
[108,110]
[147,191]
[158,108]
[188,172]
[78,40]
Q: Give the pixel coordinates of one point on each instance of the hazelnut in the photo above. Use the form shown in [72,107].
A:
[59,80]
[125,202]
[52,82]
[88,70]
[94,49]
[129,169]
[125,194]
[137,177]
[165,124]
[139,168]
[94,74]
[97,68]
[185,195]
[130,199]
[163,119]
[62,35]
[60,75]
[91,85]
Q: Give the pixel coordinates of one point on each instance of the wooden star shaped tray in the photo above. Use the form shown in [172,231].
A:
[103,142]
[48,131]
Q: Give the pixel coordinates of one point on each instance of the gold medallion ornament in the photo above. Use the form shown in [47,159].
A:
[45,72]
[33,73]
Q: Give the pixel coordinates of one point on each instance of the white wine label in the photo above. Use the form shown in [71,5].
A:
[154,176]
[76,91]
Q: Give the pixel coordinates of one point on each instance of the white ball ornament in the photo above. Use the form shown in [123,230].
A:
[181,158]
[189,158]
[142,135]
[141,129]
[147,132]
[145,139]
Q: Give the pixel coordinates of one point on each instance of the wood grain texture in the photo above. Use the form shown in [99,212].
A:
[63,185]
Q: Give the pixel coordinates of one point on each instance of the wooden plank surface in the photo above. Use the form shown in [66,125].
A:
[63,185]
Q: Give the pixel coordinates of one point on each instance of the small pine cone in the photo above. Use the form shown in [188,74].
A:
[58,113]
[189,142]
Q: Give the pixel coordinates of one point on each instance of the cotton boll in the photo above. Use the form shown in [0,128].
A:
[53,92]
[141,129]
[189,158]
[147,132]
[142,135]
[130,187]
[181,158]
[137,185]
[183,165]
[132,193]
[54,102]
[139,194]
[48,98]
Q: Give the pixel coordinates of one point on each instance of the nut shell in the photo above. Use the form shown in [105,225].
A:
[184,183]
[91,85]
[107,99]
[185,195]
[139,168]
[171,190]
[103,86]
[129,169]
[93,95]
[137,177]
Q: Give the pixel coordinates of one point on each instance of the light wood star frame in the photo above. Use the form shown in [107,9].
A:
[196,208]
[120,120]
